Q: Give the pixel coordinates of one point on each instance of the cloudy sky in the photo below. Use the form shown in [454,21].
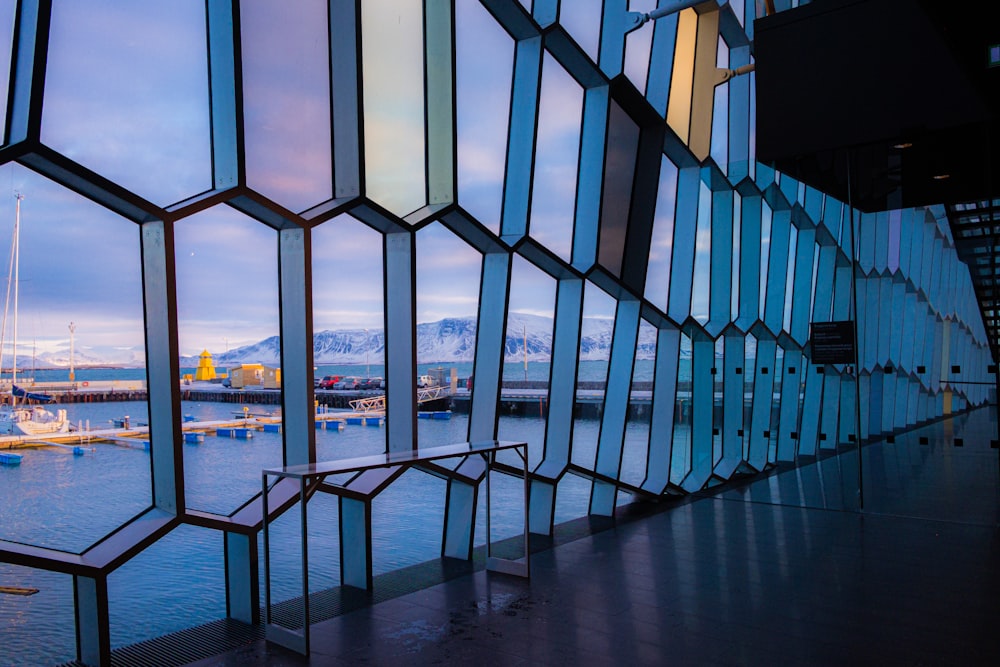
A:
[127,96]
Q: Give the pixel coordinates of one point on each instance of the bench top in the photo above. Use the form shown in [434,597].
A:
[409,457]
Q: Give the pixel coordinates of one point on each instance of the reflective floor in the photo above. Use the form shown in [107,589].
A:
[784,570]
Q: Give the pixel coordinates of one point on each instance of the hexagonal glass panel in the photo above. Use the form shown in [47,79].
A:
[349,339]
[286,107]
[701,288]
[219,253]
[484,60]
[661,243]
[76,297]
[448,278]
[556,159]
[596,331]
[527,357]
[635,449]
[392,49]
[126,94]
[680,463]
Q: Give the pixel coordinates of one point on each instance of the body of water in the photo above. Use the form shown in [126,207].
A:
[60,501]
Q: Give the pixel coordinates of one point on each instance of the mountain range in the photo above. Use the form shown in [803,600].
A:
[451,339]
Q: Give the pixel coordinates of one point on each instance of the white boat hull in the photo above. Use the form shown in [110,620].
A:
[33,421]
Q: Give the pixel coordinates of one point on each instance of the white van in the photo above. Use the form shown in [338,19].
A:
[425,381]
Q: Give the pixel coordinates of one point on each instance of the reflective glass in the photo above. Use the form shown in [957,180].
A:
[348,320]
[720,113]
[527,354]
[636,445]
[286,101]
[702,286]
[619,170]
[448,275]
[484,59]
[393,70]
[596,330]
[582,20]
[554,185]
[126,91]
[680,463]
[240,331]
[638,46]
[661,243]
[64,313]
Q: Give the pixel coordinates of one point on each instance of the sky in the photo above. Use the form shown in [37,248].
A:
[127,96]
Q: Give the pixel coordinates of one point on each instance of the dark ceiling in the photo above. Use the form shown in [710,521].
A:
[900,89]
[888,104]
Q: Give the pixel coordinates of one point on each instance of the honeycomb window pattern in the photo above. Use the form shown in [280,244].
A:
[588,176]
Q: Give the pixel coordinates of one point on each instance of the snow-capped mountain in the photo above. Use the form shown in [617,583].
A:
[452,339]
[449,340]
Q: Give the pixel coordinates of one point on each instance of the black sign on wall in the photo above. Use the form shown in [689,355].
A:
[832,342]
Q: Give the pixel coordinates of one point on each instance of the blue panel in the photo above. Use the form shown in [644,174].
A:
[750,231]
[490,336]
[227,150]
[661,428]
[162,367]
[93,635]
[355,543]
[661,63]
[888,402]
[702,404]
[242,577]
[732,405]
[829,425]
[685,225]
[400,341]
[802,287]
[591,177]
[847,430]
[870,402]
[791,379]
[294,251]
[562,389]
[813,406]
[460,520]
[760,420]
[777,268]
[521,142]
[722,261]
[616,398]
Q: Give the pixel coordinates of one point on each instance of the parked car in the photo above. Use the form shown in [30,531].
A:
[328,381]
[371,383]
[316,382]
[349,382]
[425,381]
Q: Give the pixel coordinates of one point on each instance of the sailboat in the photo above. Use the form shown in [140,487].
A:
[24,419]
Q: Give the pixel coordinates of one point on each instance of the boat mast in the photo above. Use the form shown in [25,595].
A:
[17,267]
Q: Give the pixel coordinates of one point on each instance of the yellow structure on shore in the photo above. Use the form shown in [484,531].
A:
[206,369]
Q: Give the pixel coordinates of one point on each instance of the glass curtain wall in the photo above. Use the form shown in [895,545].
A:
[633,291]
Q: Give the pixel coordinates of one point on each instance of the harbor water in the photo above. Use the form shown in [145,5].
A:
[60,501]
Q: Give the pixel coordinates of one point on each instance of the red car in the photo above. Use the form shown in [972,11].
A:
[328,381]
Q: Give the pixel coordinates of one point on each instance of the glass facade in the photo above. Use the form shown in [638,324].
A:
[580,183]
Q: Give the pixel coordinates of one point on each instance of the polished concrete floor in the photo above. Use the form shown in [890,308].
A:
[781,571]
